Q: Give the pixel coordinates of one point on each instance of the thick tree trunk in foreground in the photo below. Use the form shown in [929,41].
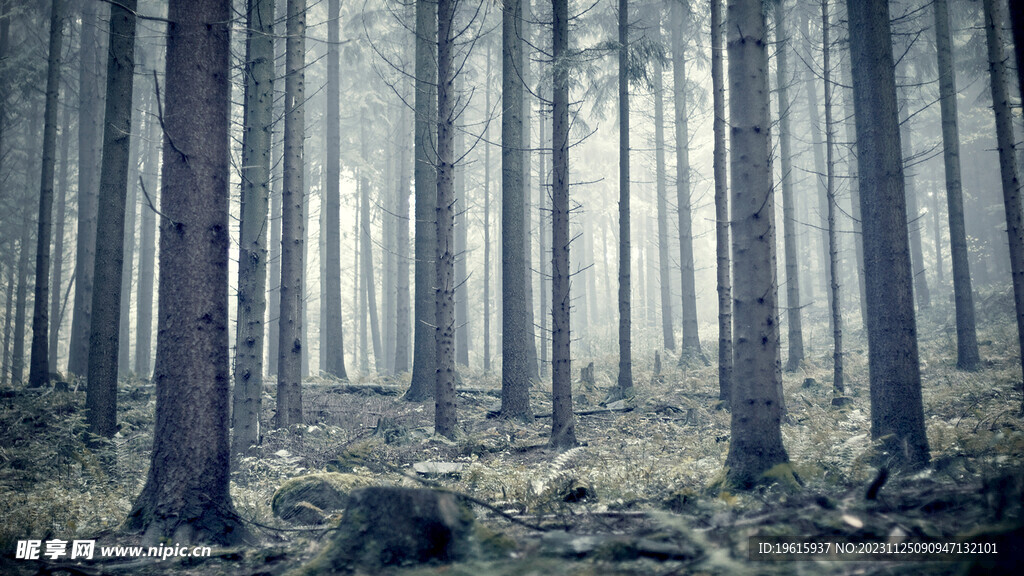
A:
[185,498]
[424,347]
[967,356]
[39,365]
[1007,166]
[293,225]
[104,329]
[722,221]
[756,444]
[445,422]
[897,415]
[252,243]
[515,372]
[789,224]
[563,427]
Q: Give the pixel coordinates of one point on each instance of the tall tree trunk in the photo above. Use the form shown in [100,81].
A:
[793,307]
[967,356]
[817,143]
[128,263]
[668,337]
[691,338]
[531,340]
[147,240]
[332,335]
[90,134]
[445,422]
[24,254]
[424,347]
[461,276]
[625,379]
[756,443]
[289,360]
[39,367]
[402,328]
[830,190]
[57,270]
[924,298]
[186,498]
[515,372]
[487,217]
[252,244]
[366,260]
[563,426]
[101,395]
[722,219]
[897,415]
[276,194]
[8,320]
[545,195]
[850,126]
[1007,167]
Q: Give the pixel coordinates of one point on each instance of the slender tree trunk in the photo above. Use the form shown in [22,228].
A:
[668,337]
[967,355]
[830,189]
[691,337]
[90,134]
[897,415]
[289,360]
[252,243]
[461,276]
[332,336]
[8,317]
[60,215]
[186,498]
[854,180]
[128,263]
[531,340]
[793,307]
[515,372]
[101,395]
[756,443]
[819,156]
[722,218]
[487,217]
[1007,166]
[625,379]
[402,327]
[24,254]
[563,426]
[147,241]
[366,260]
[921,291]
[39,367]
[445,422]
[544,193]
[276,195]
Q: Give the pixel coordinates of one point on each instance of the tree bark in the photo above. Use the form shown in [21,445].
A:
[625,379]
[819,157]
[147,241]
[445,422]
[252,244]
[57,273]
[756,443]
[104,328]
[897,415]
[487,217]
[128,263]
[289,360]
[515,372]
[668,337]
[39,366]
[563,426]
[793,307]
[366,261]
[186,498]
[722,221]
[967,355]
[691,337]
[830,194]
[921,291]
[1007,166]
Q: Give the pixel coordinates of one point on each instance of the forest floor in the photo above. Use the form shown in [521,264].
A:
[642,479]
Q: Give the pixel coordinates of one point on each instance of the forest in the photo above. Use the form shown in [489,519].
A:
[508,287]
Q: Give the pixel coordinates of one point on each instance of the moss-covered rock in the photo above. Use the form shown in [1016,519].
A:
[395,526]
[309,499]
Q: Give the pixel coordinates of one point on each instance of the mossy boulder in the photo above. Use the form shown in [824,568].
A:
[310,499]
[395,526]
